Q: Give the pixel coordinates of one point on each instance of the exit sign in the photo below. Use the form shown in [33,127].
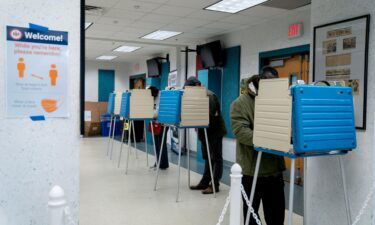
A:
[295,30]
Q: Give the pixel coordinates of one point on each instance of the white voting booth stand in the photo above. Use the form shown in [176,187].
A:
[315,111]
[184,110]
[136,105]
[110,110]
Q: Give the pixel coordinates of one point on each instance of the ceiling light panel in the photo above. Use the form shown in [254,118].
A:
[161,35]
[234,6]
[106,57]
[126,48]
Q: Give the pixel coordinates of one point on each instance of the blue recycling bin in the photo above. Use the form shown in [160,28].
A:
[323,119]
[105,122]
[170,107]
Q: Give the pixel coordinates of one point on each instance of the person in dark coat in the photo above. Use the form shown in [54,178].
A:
[215,133]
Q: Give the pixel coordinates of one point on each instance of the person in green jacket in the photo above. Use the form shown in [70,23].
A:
[215,133]
[270,183]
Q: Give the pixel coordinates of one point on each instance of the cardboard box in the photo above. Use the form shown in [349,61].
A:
[92,129]
[93,110]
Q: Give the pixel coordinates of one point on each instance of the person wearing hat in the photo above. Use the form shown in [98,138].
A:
[215,133]
[270,183]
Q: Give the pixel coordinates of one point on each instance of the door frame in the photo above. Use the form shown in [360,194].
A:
[263,56]
[82,69]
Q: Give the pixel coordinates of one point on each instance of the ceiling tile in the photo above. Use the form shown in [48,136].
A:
[263,11]
[197,4]
[178,27]
[151,17]
[148,25]
[104,27]
[220,25]
[98,33]
[174,10]
[115,21]
[241,19]
[192,22]
[137,6]
[207,15]
[101,3]
[121,13]
[205,30]
[91,18]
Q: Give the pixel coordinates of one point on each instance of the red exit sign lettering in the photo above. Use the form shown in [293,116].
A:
[295,30]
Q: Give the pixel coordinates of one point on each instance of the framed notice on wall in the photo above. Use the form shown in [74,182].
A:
[341,55]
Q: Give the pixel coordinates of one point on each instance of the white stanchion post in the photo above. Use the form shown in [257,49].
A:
[145,137]
[235,195]
[109,135]
[56,205]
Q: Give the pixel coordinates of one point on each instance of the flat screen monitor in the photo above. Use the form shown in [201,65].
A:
[211,54]
[153,67]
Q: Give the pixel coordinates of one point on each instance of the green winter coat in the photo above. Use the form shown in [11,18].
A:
[242,121]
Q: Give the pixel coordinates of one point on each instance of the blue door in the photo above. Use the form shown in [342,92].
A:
[106,84]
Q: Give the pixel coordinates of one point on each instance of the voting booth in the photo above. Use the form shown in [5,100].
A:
[137,104]
[303,121]
[184,109]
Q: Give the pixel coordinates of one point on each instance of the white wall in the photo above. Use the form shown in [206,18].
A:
[37,155]
[122,71]
[324,187]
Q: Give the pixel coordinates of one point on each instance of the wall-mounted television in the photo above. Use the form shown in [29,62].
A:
[153,67]
[211,54]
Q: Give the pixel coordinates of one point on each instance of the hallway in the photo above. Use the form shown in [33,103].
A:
[118,199]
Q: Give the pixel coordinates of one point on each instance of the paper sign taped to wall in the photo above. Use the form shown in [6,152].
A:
[88,116]
[37,74]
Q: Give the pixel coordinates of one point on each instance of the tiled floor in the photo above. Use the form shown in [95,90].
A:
[109,197]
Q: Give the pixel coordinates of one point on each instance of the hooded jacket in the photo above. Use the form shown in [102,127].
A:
[242,122]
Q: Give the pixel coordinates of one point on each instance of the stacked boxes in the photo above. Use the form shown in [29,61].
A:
[195,107]
[141,104]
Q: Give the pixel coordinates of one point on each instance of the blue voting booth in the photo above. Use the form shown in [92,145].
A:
[111,103]
[323,119]
[170,107]
[323,124]
[125,105]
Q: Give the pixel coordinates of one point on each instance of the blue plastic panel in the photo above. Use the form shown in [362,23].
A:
[125,105]
[111,103]
[323,119]
[170,107]
[153,81]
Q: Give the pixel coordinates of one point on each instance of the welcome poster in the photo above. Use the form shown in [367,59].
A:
[37,75]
